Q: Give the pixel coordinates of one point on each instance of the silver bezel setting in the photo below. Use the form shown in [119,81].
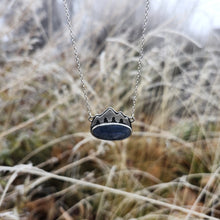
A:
[109,122]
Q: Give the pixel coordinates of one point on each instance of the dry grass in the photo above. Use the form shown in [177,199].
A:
[168,169]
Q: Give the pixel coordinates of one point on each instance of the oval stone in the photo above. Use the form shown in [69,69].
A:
[111,131]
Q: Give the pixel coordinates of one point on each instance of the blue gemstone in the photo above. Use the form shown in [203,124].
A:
[111,131]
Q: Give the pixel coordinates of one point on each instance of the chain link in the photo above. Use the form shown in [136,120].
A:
[76,55]
[139,68]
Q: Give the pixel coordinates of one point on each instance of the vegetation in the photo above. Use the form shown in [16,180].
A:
[51,166]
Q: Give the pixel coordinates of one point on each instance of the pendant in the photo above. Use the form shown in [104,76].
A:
[111,125]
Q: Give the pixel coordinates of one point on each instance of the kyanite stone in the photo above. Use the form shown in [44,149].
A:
[111,131]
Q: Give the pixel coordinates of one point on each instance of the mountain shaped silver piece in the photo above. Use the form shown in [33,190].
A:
[111,125]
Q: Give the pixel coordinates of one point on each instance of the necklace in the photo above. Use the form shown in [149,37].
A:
[109,125]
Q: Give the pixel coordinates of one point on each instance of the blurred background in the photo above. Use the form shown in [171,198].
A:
[173,155]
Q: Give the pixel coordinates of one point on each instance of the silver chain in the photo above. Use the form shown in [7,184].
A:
[139,68]
[76,55]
